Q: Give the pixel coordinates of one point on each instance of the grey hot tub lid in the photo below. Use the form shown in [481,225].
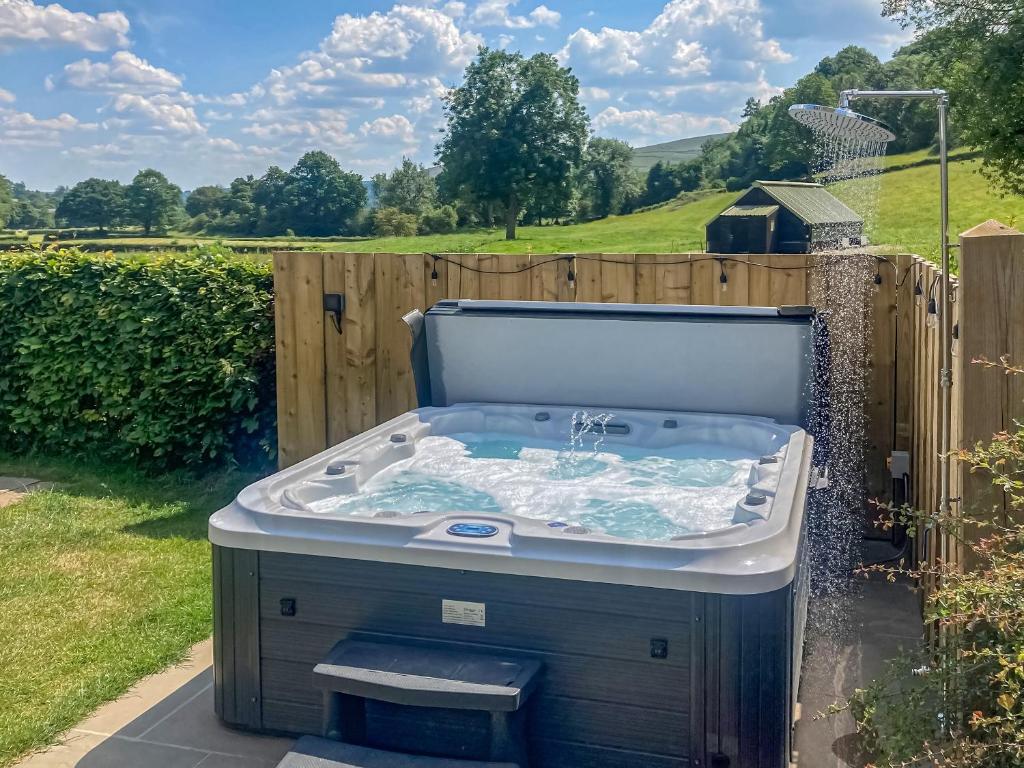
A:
[715,359]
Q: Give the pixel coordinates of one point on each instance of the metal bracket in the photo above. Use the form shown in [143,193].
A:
[334,305]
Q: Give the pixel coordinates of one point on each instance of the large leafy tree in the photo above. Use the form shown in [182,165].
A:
[152,201]
[93,203]
[272,196]
[979,50]
[410,188]
[326,197]
[607,176]
[513,125]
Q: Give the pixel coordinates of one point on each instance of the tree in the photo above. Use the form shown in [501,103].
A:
[607,175]
[93,203]
[513,124]
[391,222]
[410,188]
[273,201]
[212,201]
[152,201]
[439,221]
[326,197]
[978,48]
[6,201]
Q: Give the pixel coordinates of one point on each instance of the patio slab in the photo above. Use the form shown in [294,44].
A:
[167,720]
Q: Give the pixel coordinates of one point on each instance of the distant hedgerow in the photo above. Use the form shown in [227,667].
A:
[166,361]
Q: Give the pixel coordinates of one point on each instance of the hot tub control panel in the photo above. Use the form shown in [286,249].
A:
[473,530]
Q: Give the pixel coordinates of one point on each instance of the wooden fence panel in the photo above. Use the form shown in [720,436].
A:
[990,298]
[299,329]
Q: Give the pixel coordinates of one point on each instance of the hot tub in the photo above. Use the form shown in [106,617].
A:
[649,556]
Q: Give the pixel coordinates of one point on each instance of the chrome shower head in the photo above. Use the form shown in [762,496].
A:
[840,122]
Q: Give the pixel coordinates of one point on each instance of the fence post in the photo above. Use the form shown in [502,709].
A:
[991,325]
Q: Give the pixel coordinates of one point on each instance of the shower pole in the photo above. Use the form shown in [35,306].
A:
[945,312]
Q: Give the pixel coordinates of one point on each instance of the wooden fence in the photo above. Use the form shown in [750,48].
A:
[332,385]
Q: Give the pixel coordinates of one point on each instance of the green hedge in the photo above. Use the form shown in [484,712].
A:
[168,361]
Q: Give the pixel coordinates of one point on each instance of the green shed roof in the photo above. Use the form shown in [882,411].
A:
[811,203]
[750,210]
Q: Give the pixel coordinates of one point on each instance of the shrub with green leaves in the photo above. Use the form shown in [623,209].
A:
[959,702]
[166,361]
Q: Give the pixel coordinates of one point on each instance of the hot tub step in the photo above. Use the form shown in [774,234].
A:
[314,752]
[427,677]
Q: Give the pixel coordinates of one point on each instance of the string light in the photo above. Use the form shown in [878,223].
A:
[570,275]
[918,292]
[723,277]
[932,320]
[433,272]
[955,348]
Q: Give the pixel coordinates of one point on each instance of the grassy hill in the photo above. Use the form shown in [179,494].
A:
[671,151]
[906,219]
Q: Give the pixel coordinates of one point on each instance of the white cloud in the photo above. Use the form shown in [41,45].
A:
[695,56]
[405,32]
[391,127]
[22,22]
[161,113]
[125,72]
[496,13]
[6,97]
[456,9]
[301,129]
[645,126]
[25,129]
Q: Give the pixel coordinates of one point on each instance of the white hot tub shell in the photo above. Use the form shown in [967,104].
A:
[681,652]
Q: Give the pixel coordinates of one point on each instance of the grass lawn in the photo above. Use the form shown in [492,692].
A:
[101,583]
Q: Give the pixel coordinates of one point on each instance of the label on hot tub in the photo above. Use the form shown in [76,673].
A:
[459,612]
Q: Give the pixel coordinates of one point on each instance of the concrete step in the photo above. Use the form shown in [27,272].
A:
[314,752]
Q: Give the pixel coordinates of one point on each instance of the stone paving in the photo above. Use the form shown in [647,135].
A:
[13,488]
[167,721]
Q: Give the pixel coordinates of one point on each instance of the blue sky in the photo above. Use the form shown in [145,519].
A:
[206,90]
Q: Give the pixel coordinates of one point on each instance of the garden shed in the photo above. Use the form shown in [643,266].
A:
[785,217]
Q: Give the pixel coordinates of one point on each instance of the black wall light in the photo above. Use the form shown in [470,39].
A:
[334,305]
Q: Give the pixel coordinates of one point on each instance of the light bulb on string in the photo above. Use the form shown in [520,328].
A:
[723,278]
[918,292]
[433,272]
[932,320]
[955,347]
[570,275]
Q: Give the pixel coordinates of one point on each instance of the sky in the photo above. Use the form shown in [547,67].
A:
[207,90]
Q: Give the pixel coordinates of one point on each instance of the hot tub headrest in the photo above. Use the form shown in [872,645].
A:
[744,360]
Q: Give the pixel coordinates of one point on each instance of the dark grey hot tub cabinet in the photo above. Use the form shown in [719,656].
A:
[634,677]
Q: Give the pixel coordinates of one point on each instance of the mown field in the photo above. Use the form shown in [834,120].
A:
[905,220]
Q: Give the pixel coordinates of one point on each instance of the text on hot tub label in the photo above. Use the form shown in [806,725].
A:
[459,612]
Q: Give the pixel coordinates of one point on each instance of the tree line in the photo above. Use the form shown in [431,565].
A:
[517,146]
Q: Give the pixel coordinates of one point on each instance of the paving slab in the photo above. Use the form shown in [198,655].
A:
[167,720]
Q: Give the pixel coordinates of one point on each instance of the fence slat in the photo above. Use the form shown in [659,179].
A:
[400,288]
[301,387]
[880,396]
[789,282]
[737,293]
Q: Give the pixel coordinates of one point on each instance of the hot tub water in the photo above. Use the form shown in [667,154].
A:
[623,491]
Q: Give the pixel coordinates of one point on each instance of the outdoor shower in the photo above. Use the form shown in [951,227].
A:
[843,123]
